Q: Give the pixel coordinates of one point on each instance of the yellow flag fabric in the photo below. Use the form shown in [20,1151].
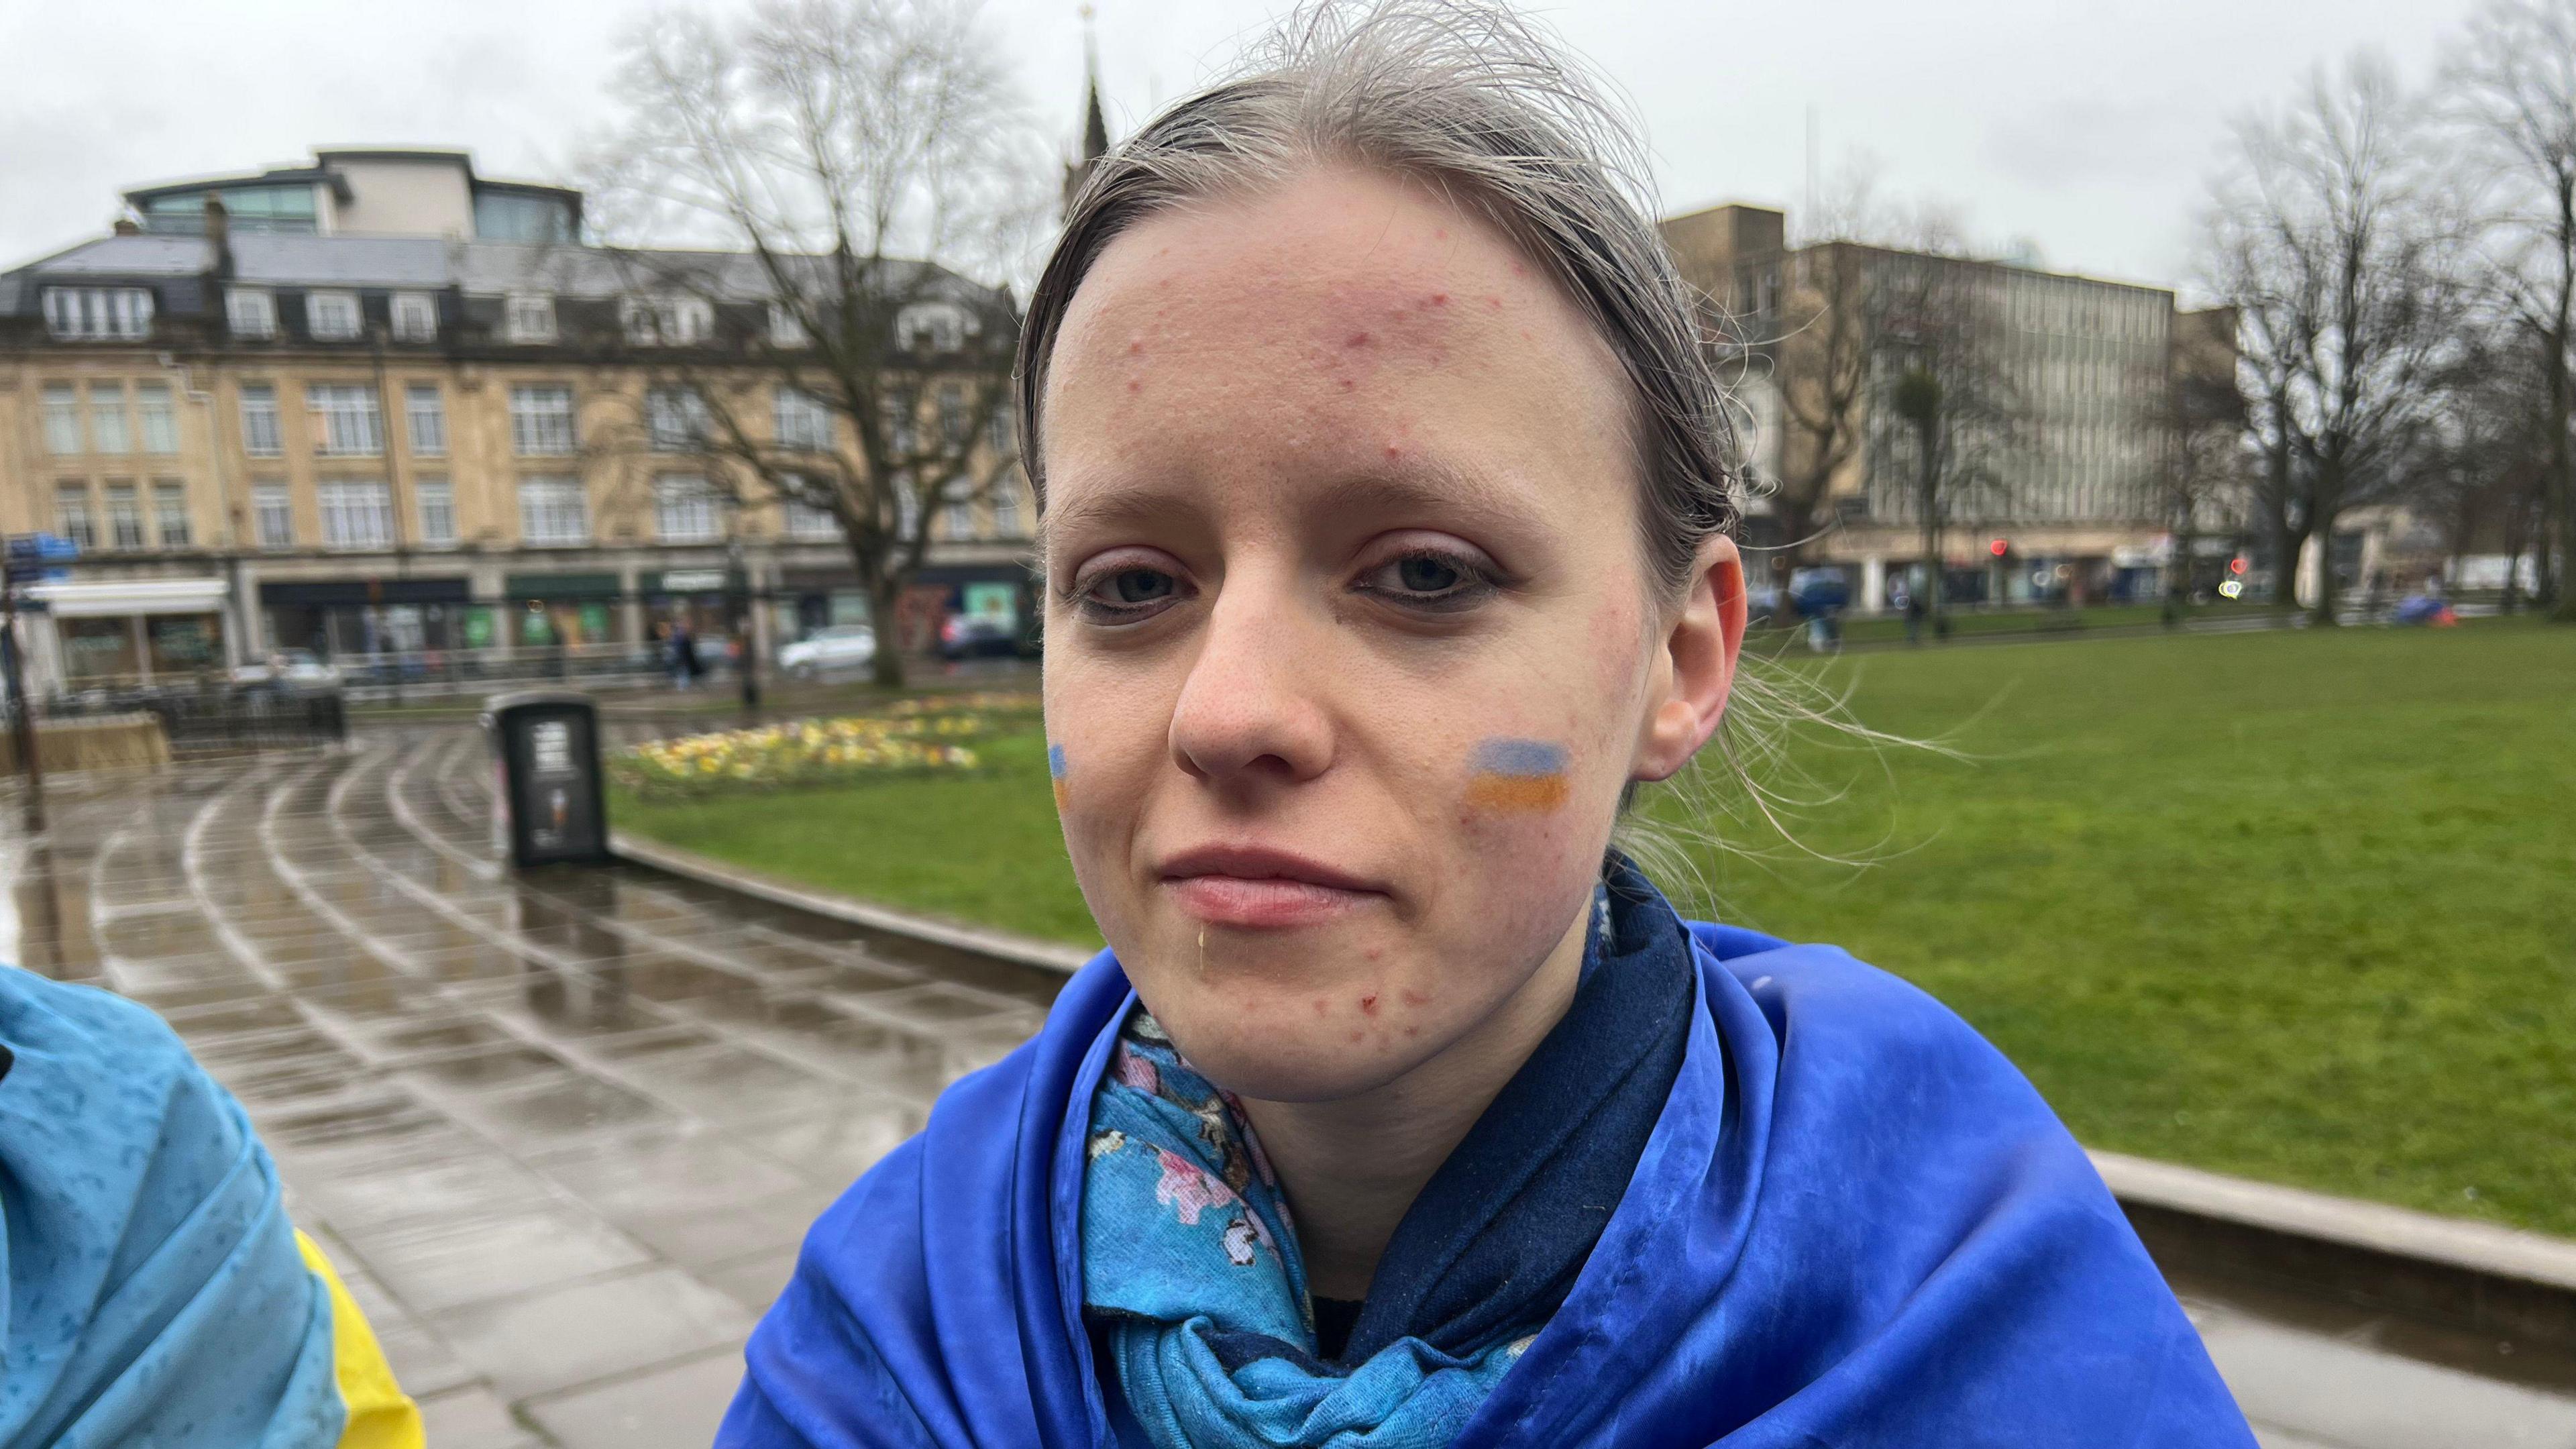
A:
[381,1415]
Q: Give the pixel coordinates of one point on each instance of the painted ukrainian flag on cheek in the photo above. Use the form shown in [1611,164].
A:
[1517,776]
[1055,772]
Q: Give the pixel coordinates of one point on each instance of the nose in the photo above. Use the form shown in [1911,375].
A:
[1249,713]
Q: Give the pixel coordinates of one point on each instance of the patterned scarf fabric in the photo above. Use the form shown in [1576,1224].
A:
[1189,1254]
[1191,1273]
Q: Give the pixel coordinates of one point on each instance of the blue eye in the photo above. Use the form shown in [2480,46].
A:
[1431,580]
[1127,595]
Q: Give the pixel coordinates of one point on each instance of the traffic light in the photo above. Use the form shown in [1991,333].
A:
[2236,565]
[1999,547]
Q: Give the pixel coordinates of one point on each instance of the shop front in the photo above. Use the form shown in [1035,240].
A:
[813,600]
[365,619]
[703,599]
[576,611]
[113,634]
[995,598]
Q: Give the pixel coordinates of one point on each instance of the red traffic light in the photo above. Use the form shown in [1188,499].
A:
[1999,548]
[2236,565]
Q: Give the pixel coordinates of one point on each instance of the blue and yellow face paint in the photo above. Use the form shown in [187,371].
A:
[1517,776]
[1055,772]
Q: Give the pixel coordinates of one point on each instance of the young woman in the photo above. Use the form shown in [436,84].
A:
[1388,501]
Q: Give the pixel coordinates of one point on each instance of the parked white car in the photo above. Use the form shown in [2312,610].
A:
[843,646]
[289,671]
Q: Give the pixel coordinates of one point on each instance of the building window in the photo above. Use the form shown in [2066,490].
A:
[677,419]
[684,510]
[124,516]
[356,514]
[170,514]
[88,313]
[953,422]
[811,524]
[415,317]
[666,321]
[273,513]
[71,514]
[785,330]
[260,435]
[331,316]
[541,421]
[957,518]
[427,413]
[1006,511]
[160,425]
[251,312]
[1000,434]
[107,430]
[351,423]
[62,418]
[803,423]
[553,511]
[936,326]
[907,509]
[529,317]
[437,512]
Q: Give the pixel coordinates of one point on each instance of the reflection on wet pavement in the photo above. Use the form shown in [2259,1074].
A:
[562,1131]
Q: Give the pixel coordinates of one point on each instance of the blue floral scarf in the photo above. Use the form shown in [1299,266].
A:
[1193,1281]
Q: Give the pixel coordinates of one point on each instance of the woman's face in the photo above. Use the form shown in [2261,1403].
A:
[1351,646]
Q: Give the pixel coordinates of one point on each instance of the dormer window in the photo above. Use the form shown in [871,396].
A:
[529,317]
[667,320]
[415,317]
[251,312]
[936,326]
[98,313]
[331,316]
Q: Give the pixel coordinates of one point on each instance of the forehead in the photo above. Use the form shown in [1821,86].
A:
[1333,318]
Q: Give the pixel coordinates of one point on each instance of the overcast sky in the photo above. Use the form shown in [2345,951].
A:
[2085,127]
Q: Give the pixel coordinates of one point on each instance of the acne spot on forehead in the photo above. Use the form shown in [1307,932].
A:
[1358,1035]
[1356,339]
[1439,299]
[1368,1004]
[1133,385]
[1135,346]
[1322,1007]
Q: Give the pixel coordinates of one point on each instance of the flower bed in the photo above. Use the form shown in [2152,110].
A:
[807,752]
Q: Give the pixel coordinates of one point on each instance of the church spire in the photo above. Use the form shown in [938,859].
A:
[1095,124]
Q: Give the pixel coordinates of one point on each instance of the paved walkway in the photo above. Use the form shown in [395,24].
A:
[563,1131]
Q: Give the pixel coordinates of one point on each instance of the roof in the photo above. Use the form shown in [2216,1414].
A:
[477,268]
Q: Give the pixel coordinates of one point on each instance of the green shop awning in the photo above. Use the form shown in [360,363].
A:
[562,586]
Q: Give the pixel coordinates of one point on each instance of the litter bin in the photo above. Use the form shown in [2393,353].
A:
[545,743]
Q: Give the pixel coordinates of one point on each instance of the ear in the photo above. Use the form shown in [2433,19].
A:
[1694,665]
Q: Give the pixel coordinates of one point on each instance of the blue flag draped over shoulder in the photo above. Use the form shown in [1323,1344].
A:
[151,1288]
[1854,1224]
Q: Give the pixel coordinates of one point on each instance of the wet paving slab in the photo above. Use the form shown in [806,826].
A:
[562,1130]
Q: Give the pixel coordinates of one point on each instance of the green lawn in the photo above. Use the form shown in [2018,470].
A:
[2297,905]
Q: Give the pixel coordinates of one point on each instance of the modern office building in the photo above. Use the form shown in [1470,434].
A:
[2075,491]
[365,406]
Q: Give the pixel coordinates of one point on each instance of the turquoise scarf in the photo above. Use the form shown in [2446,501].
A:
[1190,1261]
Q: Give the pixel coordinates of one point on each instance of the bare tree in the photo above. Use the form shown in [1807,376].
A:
[2337,247]
[2200,419]
[1953,412]
[859,161]
[2511,81]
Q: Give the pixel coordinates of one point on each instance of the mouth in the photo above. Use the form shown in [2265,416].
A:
[1257,888]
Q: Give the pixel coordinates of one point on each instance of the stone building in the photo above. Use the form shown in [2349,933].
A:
[387,409]
[2077,502]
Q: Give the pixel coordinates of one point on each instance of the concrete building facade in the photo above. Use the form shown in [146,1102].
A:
[416,447]
[2077,493]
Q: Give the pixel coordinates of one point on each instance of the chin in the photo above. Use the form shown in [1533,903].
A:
[1294,1016]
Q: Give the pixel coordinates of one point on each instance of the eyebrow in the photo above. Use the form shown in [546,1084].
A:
[1420,484]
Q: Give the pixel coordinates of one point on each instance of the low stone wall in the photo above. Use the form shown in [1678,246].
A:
[106,742]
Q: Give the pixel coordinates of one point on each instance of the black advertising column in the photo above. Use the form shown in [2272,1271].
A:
[546,744]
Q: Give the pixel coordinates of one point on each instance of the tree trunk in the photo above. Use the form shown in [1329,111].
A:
[2285,545]
[1936,579]
[2322,509]
[2561,483]
[885,597]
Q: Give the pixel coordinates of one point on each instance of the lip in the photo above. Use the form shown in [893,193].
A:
[1257,887]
